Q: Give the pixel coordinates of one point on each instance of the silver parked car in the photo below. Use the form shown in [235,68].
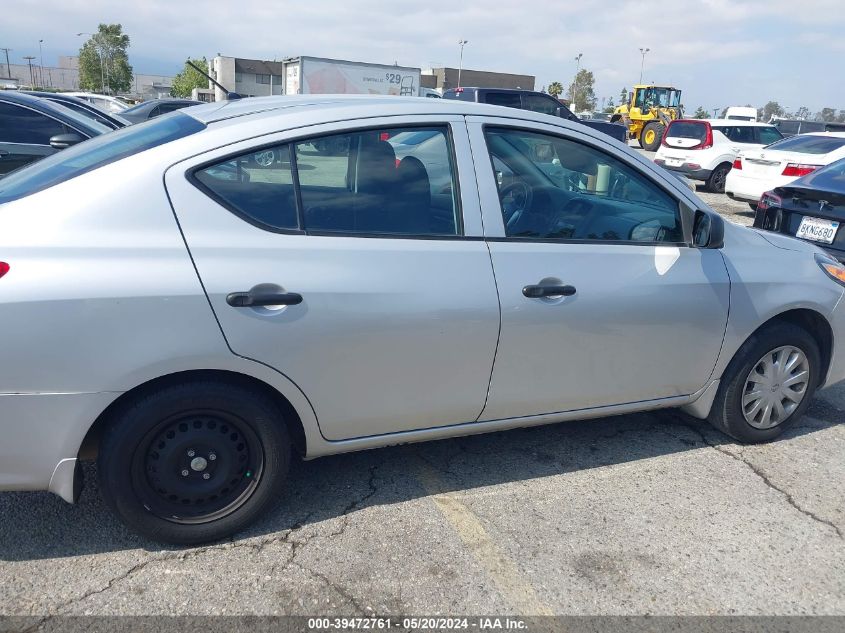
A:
[192,315]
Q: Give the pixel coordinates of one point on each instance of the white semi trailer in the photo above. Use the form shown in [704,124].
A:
[317,75]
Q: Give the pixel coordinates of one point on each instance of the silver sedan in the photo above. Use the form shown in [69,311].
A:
[195,298]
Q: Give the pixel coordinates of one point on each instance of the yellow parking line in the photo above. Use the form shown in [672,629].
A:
[502,570]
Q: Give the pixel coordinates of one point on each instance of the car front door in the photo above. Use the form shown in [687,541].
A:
[347,266]
[603,303]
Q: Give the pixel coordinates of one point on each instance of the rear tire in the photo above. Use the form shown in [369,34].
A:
[194,462]
[651,136]
[755,379]
[716,181]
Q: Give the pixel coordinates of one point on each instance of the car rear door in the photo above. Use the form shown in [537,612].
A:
[603,302]
[381,303]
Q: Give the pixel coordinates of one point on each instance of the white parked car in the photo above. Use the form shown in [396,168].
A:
[705,149]
[193,316]
[112,105]
[756,171]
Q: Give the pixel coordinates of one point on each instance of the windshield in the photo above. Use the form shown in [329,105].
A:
[809,144]
[95,153]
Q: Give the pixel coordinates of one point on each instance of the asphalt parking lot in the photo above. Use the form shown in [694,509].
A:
[643,514]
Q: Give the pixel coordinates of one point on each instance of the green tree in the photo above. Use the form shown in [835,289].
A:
[827,114]
[103,62]
[610,107]
[188,79]
[555,89]
[581,92]
[701,113]
[803,113]
[623,96]
[772,108]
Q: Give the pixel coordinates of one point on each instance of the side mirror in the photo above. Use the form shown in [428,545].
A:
[63,141]
[708,230]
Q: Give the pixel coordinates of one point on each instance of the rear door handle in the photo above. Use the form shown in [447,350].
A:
[255,299]
[3,153]
[536,292]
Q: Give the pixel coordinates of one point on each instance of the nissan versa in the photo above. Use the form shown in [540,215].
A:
[193,315]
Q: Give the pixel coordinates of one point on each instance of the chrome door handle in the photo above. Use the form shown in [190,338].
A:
[536,292]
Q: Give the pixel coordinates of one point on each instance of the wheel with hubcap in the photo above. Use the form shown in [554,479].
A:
[194,463]
[651,136]
[768,385]
[716,181]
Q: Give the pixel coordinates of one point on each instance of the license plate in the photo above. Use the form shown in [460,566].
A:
[675,162]
[817,230]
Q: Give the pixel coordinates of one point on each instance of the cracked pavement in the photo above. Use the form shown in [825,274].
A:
[655,513]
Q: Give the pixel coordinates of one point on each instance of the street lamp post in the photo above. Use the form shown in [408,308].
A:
[29,59]
[643,51]
[462,43]
[100,53]
[41,62]
[575,83]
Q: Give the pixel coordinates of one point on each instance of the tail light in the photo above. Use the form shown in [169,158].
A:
[4,268]
[708,139]
[737,163]
[769,200]
[797,170]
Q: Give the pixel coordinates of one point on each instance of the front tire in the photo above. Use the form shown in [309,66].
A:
[768,384]
[651,136]
[194,462]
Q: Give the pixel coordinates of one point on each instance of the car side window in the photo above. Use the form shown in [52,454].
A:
[507,99]
[768,135]
[257,186]
[395,181]
[22,125]
[543,105]
[556,188]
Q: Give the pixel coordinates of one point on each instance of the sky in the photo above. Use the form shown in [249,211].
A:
[719,52]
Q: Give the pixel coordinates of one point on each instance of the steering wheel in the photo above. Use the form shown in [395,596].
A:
[516,199]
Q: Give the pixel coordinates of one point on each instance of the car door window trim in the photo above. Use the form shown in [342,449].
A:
[191,175]
[622,159]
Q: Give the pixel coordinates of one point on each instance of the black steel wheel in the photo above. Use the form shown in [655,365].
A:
[197,466]
[194,462]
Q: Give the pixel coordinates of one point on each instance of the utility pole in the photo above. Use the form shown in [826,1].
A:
[643,51]
[41,62]
[575,83]
[462,43]
[715,113]
[8,66]
[29,59]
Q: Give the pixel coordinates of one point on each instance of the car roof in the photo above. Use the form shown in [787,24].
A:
[728,122]
[318,105]
[54,109]
[833,134]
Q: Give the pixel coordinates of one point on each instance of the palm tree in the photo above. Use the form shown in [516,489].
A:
[555,89]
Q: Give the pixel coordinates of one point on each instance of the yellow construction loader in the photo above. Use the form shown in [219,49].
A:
[649,110]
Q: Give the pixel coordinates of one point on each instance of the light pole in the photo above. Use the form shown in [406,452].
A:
[575,83]
[29,59]
[462,43]
[715,111]
[100,53]
[41,61]
[643,51]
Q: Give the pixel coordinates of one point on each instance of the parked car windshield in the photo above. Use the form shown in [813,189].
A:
[809,144]
[94,153]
